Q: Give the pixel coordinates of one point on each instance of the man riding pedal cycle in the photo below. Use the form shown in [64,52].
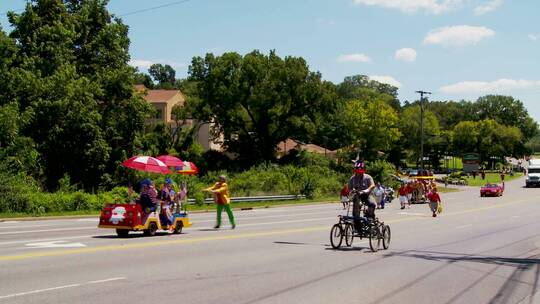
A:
[364,184]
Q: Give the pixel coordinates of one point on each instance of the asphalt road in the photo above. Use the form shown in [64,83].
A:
[480,250]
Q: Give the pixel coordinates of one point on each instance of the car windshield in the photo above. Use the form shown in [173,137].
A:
[491,186]
[534,170]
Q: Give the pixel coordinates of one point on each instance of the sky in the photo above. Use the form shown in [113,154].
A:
[456,49]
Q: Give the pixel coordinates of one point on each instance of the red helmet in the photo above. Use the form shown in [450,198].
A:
[359,167]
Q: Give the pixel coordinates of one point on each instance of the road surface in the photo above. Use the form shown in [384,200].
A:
[480,250]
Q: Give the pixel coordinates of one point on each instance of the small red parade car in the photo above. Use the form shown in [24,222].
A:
[130,217]
[491,190]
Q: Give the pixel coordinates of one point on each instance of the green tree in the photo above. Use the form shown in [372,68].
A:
[257,100]
[74,83]
[410,128]
[507,111]
[374,125]
[360,87]
[163,74]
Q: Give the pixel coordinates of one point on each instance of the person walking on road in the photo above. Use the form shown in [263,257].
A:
[220,191]
[434,201]
[403,195]
[379,195]
[344,196]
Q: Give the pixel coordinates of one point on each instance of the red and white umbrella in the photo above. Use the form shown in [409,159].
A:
[170,161]
[146,164]
[187,168]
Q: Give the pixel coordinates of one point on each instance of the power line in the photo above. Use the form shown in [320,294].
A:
[153,8]
[130,13]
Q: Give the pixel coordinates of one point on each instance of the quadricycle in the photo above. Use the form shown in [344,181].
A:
[349,227]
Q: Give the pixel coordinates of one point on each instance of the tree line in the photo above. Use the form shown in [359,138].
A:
[69,111]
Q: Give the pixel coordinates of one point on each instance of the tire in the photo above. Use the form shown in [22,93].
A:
[122,232]
[349,234]
[386,236]
[178,227]
[374,238]
[336,236]
[151,231]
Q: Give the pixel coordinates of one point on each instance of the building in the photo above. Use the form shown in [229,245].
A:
[284,147]
[164,102]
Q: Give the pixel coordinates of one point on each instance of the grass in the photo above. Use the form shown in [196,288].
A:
[491,178]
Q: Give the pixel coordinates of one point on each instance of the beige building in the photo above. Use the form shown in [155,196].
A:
[164,101]
[284,147]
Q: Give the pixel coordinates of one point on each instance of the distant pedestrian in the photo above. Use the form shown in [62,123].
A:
[220,191]
[483,174]
[379,195]
[434,201]
[474,175]
[503,172]
[344,196]
[403,195]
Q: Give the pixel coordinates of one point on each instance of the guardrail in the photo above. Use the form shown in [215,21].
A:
[254,198]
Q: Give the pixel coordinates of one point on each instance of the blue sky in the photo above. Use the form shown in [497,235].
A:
[457,49]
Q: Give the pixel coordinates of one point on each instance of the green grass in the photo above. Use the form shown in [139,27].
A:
[491,178]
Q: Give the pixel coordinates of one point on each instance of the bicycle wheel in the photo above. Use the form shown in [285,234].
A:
[386,235]
[349,234]
[336,236]
[374,238]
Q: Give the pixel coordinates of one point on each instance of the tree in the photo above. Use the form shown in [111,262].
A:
[257,100]
[374,125]
[410,128]
[163,74]
[486,137]
[360,87]
[507,111]
[75,84]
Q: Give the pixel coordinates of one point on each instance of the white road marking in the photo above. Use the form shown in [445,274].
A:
[463,226]
[412,213]
[55,244]
[58,288]
[94,220]
[48,240]
[10,222]
[47,230]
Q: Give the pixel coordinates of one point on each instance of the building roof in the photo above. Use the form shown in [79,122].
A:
[160,95]
[287,145]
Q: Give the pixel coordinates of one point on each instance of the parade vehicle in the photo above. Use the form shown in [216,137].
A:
[533,174]
[420,184]
[130,217]
[491,190]
[345,230]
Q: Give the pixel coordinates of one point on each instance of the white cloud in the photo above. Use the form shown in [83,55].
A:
[488,7]
[145,64]
[354,58]
[406,54]
[386,79]
[412,6]
[482,87]
[458,36]
[534,37]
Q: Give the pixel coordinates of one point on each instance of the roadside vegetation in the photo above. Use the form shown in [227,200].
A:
[69,116]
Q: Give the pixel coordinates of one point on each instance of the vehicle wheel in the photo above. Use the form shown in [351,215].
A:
[481,195]
[336,236]
[178,227]
[151,231]
[122,232]
[386,236]
[374,238]
[349,234]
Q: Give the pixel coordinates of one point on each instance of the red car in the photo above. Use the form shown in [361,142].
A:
[491,190]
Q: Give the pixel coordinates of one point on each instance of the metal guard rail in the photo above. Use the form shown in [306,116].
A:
[254,198]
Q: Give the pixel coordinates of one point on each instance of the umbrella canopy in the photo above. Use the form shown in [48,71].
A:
[187,168]
[146,164]
[170,161]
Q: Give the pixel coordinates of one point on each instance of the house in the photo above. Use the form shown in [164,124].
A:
[284,147]
[164,102]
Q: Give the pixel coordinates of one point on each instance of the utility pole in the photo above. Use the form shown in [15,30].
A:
[422,126]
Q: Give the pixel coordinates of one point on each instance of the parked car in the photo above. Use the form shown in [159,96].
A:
[491,190]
